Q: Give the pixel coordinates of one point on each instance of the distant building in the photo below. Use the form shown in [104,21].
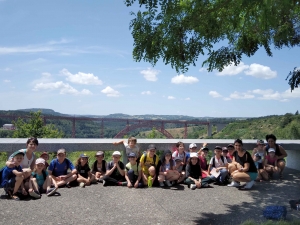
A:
[8,127]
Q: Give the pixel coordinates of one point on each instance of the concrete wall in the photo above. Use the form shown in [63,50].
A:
[52,145]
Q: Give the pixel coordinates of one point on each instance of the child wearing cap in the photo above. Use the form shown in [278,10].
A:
[58,169]
[40,181]
[130,146]
[225,154]
[219,164]
[84,175]
[133,172]
[149,163]
[99,166]
[12,178]
[258,155]
[271,163]
[115,174]
[45,156]
[192,148]
[167,171]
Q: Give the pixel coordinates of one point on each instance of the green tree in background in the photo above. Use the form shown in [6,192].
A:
[179,31]
[152,134]
[35,128]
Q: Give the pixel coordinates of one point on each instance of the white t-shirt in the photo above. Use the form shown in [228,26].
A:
[218,162]
[135,149]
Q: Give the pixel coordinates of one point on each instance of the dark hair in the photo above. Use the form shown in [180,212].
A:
[179,143]
[163,158]
[238,141]
[272,136]
[78,163]
[190,161]
[34,140]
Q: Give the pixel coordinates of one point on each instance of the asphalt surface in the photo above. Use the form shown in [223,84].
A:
[178,205]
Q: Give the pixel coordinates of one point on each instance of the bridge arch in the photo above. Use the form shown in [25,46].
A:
[132,127]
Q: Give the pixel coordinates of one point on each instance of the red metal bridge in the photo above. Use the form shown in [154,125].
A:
[131,124]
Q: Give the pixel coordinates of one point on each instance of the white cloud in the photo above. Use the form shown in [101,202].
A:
[171,97]
[181,79]
[146,93]
[187,99]
[6,81]
[233,70]
[262,92]
[260,71]
[110,92]
[81,78]
[150,74]
[64,88]
[226,99]
[215,94]
[237,95]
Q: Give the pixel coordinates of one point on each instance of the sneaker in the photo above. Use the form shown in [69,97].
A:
[51,191]
[35,194]
[161,184]
[193,186]
[168,183]
[100,180]
[68,185]
[82,185]
[104,183]
[249,184]
[234,184]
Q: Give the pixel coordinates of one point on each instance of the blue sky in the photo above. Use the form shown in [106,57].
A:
[75,57]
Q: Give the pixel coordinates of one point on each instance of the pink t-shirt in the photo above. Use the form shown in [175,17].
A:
[271,161]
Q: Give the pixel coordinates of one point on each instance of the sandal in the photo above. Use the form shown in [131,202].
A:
[15,197]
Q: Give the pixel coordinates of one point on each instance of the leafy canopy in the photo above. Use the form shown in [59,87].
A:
[35,128]
[178,31]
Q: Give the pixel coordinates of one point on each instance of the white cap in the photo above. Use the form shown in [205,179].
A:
[40,160]
[271,150]
[117,153]
[193,145]
[194,154]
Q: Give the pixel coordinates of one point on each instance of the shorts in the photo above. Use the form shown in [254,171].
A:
[253,175]
[10,185]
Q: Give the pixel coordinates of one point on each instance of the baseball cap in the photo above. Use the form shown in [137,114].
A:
[116,153]
[61,151]
[194,154]
[230,146]
[271,150]
[177,159]
[224,149]
[261,142]
[151,146]
[17,153]
[40,160]
[99,153]
[83,155]
[204,149]
[44,153]
[218,147]
[132,154]
[193,145]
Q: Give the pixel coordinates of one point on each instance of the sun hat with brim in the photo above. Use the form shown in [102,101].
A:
[194,155]
[117,153]
[17,153]
[40,160]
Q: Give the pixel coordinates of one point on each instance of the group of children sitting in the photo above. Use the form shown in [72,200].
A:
[23,174]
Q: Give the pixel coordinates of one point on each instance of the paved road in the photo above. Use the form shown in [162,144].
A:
[179,205]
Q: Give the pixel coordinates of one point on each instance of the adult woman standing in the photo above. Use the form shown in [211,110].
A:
[242,166]
[279,152]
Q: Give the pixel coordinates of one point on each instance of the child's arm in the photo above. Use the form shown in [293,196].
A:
[109,172]
[275,164]
[121,171]
[17,173]
[32,165]
[118,142]
[209,168]
[10,163]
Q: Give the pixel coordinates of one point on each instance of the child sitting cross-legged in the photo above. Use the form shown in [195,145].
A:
[167,171]
[12,178]
[84,175]
[40,181]
[99,166]
[133,172]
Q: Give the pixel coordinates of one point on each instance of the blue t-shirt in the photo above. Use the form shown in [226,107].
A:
[59,169]
[7,174]
[39,178]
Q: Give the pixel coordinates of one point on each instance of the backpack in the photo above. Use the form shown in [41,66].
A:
[275,212]
[213,163]
[177,155]
[1,172]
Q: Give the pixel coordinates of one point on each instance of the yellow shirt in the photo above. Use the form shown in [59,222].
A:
[149,162]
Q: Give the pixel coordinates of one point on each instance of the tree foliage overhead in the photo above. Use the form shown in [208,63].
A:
[179,31]
[35,128]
